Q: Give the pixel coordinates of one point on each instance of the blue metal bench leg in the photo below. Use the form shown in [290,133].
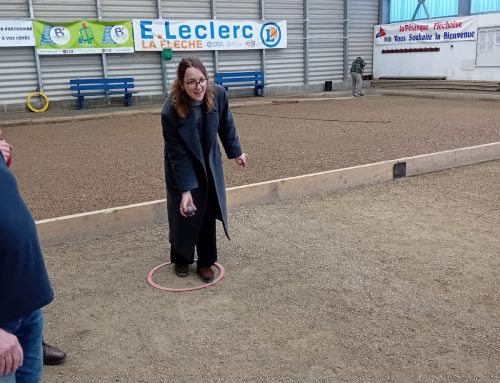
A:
[127,100]
[81,102]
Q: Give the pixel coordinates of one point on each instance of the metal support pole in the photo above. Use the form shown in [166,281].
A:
[426,9]
[384,12]
[263,51]
[103,55]
[164,74]
[421,3]
[464,7]
[306,41]
[37,58]
[213,5]
[346,40]
[158,9]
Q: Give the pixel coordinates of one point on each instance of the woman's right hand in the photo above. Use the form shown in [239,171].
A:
[187,200]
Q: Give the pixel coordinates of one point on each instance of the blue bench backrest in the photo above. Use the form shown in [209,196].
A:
[239,77]
[102,80]
[79,84]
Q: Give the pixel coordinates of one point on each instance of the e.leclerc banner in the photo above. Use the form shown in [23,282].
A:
[192,35]
[435,31]
[83,37]
[16,33]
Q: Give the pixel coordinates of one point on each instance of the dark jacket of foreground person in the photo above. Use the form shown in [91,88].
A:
[24,283]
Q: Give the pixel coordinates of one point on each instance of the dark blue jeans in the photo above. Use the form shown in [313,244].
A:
[28,331]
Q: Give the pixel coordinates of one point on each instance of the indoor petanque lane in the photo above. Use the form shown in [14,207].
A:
[360,233]
[396,281]
[80,166]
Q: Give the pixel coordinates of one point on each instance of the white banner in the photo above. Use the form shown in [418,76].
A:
[424,31]
[16,33]
[193,35]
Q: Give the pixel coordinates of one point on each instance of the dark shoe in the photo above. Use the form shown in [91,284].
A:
[52,355]
[181,270]
[206,273]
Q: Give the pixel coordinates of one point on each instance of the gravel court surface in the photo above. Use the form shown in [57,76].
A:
[80,166]
[393,282]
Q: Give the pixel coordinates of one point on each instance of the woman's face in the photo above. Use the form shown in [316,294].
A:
[194,84]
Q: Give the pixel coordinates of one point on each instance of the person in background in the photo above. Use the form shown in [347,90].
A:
[24,283]
[196,112]
[357,68]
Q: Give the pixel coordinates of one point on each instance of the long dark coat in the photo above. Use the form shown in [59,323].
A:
[186,170]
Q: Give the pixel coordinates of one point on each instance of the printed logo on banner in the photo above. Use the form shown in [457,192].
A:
[381,33]
[270,34]
[118,34]
[55,35]
[86,35]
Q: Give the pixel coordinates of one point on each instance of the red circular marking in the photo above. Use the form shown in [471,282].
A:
[177,290]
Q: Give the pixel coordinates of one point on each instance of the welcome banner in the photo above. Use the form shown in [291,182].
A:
[192,35]
[83,37]
[435,31]
[16,33]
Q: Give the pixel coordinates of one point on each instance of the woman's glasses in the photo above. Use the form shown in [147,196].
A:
[193,84]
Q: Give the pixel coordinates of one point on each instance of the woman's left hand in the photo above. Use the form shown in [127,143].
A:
[242,160]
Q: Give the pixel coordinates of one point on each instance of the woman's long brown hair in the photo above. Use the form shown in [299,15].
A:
[180,99]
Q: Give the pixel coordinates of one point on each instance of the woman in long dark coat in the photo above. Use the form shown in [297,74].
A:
[194,114]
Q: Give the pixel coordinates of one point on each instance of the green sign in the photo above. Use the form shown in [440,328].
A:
[83,37]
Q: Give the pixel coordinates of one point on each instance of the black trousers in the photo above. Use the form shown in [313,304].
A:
[206,243]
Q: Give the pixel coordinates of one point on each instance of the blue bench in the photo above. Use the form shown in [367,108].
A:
[102,87]
[242,79]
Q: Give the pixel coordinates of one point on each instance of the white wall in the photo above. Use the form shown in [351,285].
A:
[455,60]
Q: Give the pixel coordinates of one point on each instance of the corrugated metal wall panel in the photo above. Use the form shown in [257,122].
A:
[277,73]
[17,74]
[145,67]
[239,60]
[63,10]
[198,9]
[283,66]
[291,73]
[243,59]
[58,70]
[238,9]
[206,57]
[326,51]
[326,61]
[134,9]
[13,9]
[363,15]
